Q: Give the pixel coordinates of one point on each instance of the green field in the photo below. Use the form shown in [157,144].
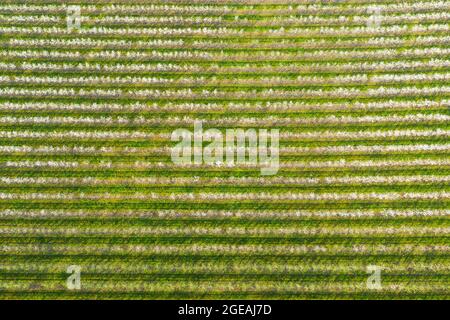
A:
[358,89]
